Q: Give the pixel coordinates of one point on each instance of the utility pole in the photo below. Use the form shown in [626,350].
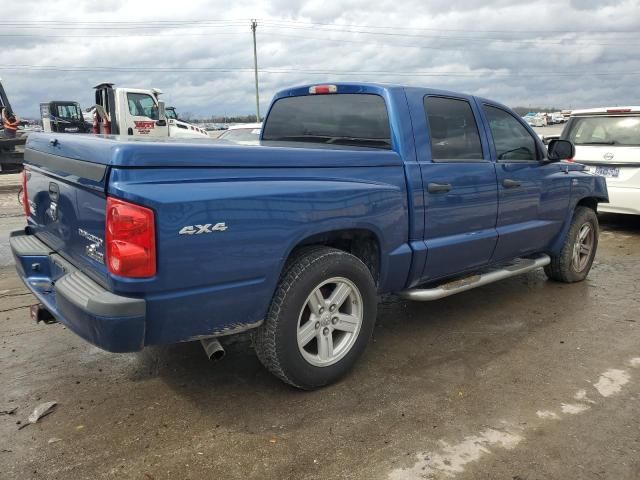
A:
[254,25]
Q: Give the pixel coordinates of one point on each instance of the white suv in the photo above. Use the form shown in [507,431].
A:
[607,140]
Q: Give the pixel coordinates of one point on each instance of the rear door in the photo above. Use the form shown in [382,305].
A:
[460,184]
[142,116]
[533,195]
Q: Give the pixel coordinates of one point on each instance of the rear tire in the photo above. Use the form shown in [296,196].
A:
[320,319]
[574,261]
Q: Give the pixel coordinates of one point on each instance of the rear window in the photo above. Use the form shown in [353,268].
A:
[624,130]
[341,119]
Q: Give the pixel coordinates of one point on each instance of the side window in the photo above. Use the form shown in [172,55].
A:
[142,105]
[454,132]
[512,141]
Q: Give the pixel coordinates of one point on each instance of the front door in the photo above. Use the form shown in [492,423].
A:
[143,116]
[459,179]
[533,195]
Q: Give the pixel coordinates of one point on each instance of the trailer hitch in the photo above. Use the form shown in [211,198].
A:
[39,313]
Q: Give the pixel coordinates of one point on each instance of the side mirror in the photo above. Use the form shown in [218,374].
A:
[162,114]
[560,150]
[162,111]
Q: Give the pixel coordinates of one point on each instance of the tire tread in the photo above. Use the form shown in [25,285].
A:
[560,267]
[265,337]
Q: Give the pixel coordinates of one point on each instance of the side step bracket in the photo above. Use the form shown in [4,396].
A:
[517,267]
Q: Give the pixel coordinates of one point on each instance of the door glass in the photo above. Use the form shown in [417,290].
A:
[513,143]
[142,105]
[454,132]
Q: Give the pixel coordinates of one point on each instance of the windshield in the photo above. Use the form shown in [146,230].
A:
[343,119]
[69,112]
[622,130]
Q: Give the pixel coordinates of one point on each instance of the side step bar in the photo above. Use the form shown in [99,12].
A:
[519,266]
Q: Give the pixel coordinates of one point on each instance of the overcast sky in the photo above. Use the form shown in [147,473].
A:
[567,53]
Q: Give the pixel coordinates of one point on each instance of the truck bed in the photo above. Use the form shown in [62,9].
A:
[270,198]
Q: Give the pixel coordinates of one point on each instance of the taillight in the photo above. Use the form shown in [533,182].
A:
[130,239]
[25,197]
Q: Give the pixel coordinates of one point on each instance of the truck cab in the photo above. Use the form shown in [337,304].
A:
[179,128]
[62,117]
[137,112]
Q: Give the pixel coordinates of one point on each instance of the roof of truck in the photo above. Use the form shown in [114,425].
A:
[606,111]
[370,87]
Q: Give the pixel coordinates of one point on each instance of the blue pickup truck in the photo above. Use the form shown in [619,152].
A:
[356,190]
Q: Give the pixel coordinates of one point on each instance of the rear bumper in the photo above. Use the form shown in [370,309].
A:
[622,200]
[111,322]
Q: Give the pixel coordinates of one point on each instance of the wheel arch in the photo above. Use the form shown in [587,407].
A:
[363,243]
[589,201]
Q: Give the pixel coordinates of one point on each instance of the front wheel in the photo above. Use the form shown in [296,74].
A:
[320,319]
[574,261]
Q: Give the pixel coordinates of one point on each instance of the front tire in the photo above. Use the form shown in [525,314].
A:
[574,261]
[320,319]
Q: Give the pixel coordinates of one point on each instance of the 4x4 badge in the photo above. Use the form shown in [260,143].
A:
[200,229]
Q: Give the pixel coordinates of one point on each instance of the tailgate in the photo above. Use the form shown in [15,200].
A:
[67,203]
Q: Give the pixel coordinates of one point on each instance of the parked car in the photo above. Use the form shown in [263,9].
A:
[607,140]
[356,190]
[536,120]
[243,134]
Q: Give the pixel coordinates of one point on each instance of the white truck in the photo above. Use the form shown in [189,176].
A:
[137,112]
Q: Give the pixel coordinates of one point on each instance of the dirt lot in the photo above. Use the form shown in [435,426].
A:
[523,379]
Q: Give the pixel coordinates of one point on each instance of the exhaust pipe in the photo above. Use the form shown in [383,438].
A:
[213,349]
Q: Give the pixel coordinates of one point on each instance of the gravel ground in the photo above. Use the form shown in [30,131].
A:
[522,379]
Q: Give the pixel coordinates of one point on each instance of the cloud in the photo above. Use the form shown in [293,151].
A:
[520,53]
[594,4]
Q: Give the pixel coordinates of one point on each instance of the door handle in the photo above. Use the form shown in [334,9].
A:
[438,187]
[508,183]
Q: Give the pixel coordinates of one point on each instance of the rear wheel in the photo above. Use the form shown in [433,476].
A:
[574,261]
[320,320]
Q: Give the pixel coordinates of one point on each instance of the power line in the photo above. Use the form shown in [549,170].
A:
[468,42]
[441,37]
[431,47]
[271,70]
[239,21]
[129,35]
[121,28]
[119,22]
[635,29]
